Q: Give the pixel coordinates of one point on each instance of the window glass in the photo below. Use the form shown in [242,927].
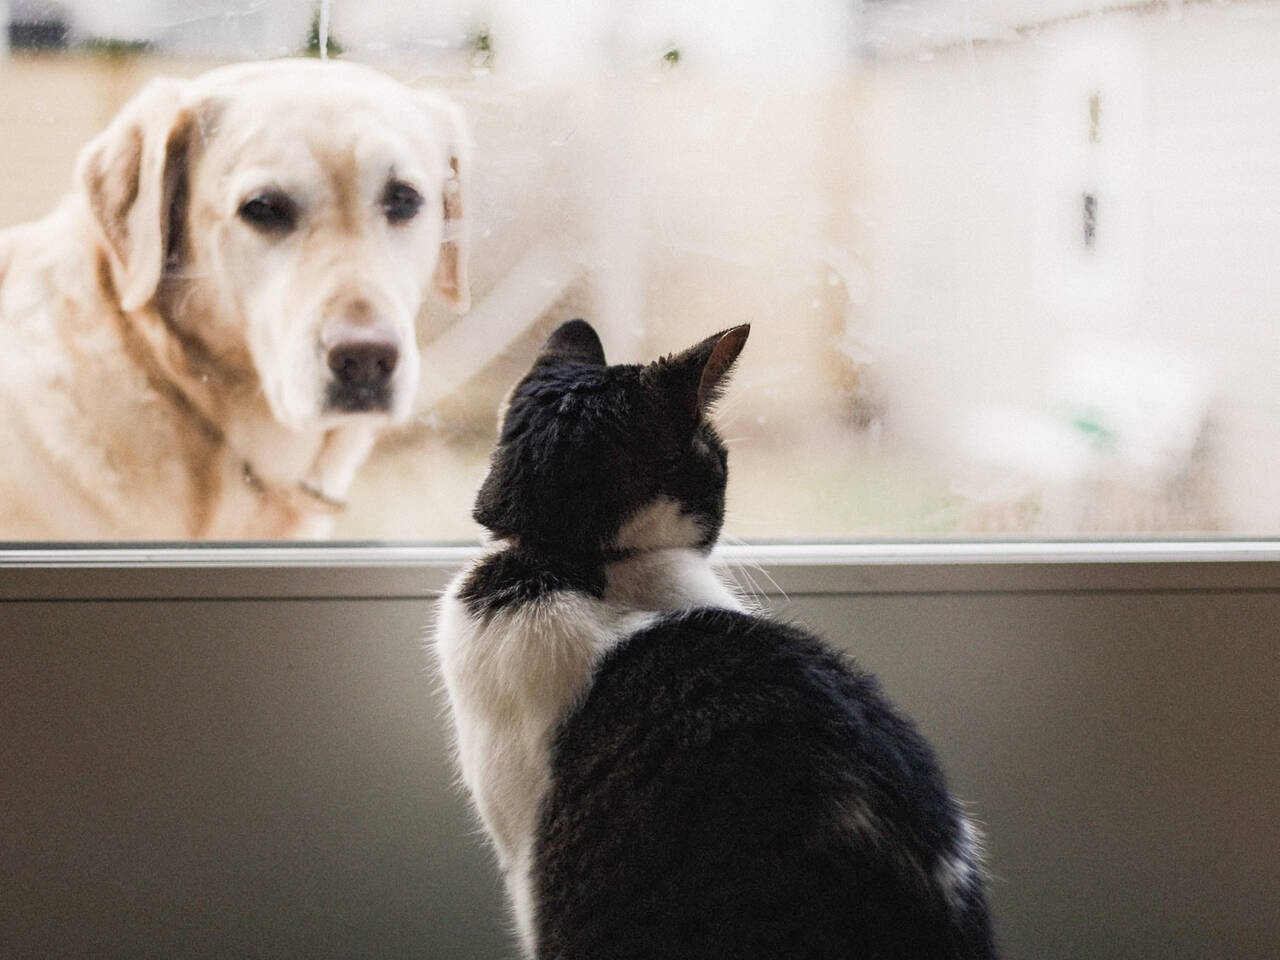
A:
[1009,264]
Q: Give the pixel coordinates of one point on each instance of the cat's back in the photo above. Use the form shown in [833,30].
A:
[732,787]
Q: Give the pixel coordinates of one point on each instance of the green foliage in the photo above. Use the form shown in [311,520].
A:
[312,46]
[116,50]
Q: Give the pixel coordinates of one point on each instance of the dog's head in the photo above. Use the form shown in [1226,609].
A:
[289,217]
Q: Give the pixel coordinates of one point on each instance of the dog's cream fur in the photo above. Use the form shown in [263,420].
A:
[163,364]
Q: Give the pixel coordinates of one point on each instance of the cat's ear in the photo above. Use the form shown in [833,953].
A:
[702,371]
[576,341]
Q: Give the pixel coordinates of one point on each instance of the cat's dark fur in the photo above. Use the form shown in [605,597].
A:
[664,774]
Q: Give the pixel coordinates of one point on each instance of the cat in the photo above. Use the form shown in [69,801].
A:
[663,772]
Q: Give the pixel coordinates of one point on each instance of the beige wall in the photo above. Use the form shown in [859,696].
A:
[49,108]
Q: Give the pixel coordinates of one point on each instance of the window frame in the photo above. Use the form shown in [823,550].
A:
[350,570]
[356,571]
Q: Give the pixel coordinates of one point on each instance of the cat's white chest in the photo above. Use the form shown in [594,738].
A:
[511,676]
[514,673]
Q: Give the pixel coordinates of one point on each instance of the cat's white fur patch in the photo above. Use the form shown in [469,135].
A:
[511,677]
[672,579]
[658,525]
[664,570]
[514,674]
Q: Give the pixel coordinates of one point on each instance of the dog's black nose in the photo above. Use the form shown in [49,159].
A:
[362,370]
[363,363]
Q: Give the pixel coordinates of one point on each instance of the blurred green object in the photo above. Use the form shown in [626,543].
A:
[332,48]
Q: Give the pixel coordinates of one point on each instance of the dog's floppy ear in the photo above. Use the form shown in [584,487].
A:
[450,125]
[133,173]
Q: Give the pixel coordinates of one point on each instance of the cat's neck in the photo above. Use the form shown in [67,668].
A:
[672,578]
[658,580]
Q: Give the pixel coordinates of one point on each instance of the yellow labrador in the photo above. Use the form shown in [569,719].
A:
[206,337]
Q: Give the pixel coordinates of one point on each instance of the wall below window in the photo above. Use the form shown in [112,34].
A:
[268,776]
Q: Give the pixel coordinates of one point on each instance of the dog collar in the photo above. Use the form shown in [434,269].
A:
[302,496]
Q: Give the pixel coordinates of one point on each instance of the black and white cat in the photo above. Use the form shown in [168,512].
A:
[663,773]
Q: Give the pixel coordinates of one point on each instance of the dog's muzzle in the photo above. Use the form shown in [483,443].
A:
[361,370]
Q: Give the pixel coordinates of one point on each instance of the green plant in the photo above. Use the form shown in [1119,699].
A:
[312,46]
[116,50]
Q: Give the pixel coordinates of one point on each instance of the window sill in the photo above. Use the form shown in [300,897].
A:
[352,571]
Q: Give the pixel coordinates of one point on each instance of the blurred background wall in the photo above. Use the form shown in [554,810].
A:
[1008,264]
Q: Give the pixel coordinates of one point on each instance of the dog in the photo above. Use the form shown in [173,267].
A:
[205,339]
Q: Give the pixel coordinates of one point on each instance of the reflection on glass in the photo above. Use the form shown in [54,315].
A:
[1008,265]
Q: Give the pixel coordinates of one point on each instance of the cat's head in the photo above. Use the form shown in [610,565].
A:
[596,460]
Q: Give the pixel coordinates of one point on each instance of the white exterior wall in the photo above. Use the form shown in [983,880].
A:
[982,283]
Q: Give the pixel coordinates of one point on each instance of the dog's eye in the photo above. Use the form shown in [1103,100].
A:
[270,211]
[400,202]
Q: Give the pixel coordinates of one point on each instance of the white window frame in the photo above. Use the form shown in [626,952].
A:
[348,571]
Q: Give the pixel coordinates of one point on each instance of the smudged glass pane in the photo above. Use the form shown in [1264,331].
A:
[1009,266]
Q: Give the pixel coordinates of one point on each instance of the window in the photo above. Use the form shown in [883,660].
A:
[1010,270]
[1009,265]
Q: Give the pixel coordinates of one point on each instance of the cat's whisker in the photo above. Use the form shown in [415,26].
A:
[759,568]
[728,416]
[777,587]
[744,585]
[740,573]
[729,405]
[754,523]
